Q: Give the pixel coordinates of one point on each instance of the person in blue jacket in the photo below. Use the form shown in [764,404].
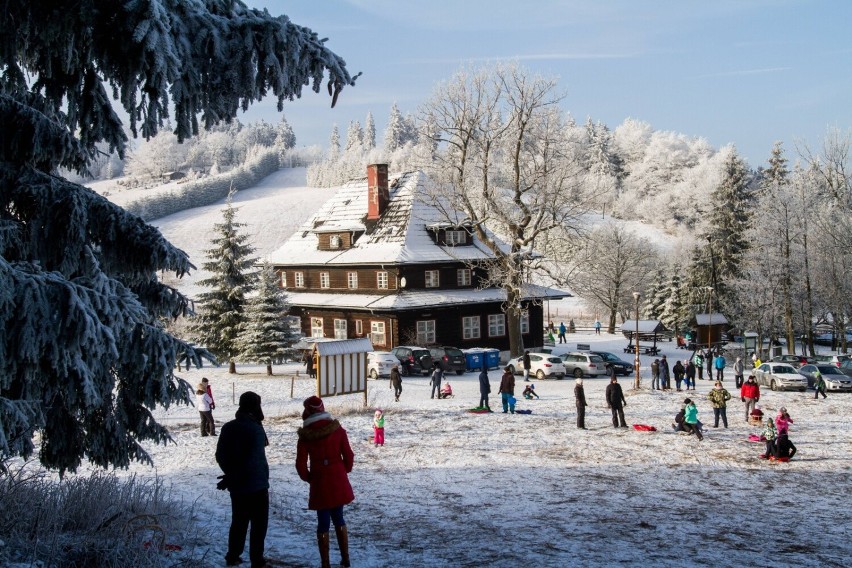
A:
[719,365]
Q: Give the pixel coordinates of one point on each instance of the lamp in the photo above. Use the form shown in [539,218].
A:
[636,296]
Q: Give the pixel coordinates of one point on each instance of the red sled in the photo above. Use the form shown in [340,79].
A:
[644,428]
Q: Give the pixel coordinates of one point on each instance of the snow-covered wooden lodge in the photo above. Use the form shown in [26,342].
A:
[377,260]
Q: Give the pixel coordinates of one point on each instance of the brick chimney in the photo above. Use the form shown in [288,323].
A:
[377,191]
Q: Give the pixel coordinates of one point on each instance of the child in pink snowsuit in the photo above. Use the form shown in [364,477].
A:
[379,427]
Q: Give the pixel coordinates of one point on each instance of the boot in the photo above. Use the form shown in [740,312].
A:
[322,541]
[343,544]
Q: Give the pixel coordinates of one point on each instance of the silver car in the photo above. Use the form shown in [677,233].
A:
[834,378]
[583,364]
[780,376]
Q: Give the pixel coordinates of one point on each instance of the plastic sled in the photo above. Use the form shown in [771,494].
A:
[644,428]
[523,412]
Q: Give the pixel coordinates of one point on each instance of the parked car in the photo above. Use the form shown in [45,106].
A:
[450,358]
[413,359]
[835,360]
[542,366]
[795,361]
[834,378]
[583,364]
[621,367]
[846,367]
[780,376]
[380,363]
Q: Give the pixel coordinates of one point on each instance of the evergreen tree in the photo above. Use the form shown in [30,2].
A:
[370,132]
[84,357]
[266,335]
[655,298]
[395,133]
[675,314]
[284,137]
[222,309]
[354,137]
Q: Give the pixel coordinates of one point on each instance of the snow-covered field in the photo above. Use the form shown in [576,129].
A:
[450,488]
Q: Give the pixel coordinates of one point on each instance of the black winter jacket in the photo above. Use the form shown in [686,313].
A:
[241,453]
[614,395]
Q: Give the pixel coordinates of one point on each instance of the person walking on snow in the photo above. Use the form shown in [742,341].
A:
[597,327]
[379,427]
[562,331]
[580,399]
[750,395]
[437,377]
[678,372]
[395,382]
[484,388]
[205,408]
[719,363]
[507,390]
[719,398]
[739,369]
[324,459]
[655,375]
[698,360]
[690,375]
[616,402]
[819,385]
[527,366]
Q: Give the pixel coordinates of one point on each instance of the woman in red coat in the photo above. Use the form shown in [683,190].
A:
[323,459]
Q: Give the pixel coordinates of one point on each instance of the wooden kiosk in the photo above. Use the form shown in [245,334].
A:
[341,367]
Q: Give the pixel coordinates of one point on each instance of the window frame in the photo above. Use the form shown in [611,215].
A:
[345,329]
[496,329]
[315,327]
[468,330]
[352,278]
[382,280]
[525,322]
[432,279]
[283,278]
[299,279]
[423,337]
[456,235]
[374,325]
[325,280]
[464,278]
[359,327]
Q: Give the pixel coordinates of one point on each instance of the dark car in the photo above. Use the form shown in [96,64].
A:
[621,367]
[846,367]
[795,360]
[413,360]
[450,358]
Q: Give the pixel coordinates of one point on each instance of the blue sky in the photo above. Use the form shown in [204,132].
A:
[747,72]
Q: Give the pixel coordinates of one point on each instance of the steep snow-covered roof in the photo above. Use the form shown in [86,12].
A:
[415,299]
[400,236]
[710,319]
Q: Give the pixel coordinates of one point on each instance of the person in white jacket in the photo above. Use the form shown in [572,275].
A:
[205,408]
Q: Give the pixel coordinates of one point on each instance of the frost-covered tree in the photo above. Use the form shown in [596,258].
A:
[369,132]
[354,137]
[655,297]
[285,139]
[334,142]
[157,156]
[222,308]
[84,357]
[395,132]
[266,334]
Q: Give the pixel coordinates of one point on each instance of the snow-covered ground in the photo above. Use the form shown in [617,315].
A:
[450,488]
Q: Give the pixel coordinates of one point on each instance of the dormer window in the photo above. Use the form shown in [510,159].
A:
[455,237]
[335,242]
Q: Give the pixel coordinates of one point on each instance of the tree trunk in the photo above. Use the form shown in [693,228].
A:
[269,368]
[232,367]
[611,326]
[809,322]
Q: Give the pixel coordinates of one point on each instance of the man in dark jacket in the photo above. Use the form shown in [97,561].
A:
[580,397]
[615,401]
[484,388]
[241,453]
[527,366]
[395,382]
[437,377]
[665,374]
[507,390]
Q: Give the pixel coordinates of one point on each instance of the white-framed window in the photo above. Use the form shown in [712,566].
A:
[283,279]
[433,279]
[382,280]
[463,276]
[496,325]
[325,280]
[300,279]
[425,332]
[359,327]
[340,329]
[470,327]
[377,332]
[335,242]
[454,237]
[352,279]
[316,327]
[525,322]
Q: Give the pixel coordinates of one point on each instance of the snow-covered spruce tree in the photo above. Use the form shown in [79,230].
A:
[354,138]
[395,130]
[83,356]
[369,132]
[334,142]
[221,312]
[285,139]
[266,335]
[655,297]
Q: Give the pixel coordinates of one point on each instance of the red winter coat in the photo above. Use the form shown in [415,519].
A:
[750,390]
[325,445]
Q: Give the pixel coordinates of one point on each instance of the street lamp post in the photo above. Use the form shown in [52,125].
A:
[709,317]
[636,296]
